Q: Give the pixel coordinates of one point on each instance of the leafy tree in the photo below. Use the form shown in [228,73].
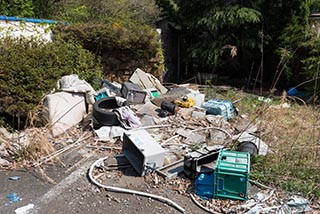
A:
[47,9]
[211,27]
[269,31]
[295,39]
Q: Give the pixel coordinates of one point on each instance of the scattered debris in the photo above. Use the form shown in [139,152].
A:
[205,186]
[14,178]
[24,209]
[72,83]
[231,176]
[219,107]
[201,161]
[64,110]
[127,117]
[171,95]
[197,97]
[192,132]
[143,152]
[133,93]
[264,99]
[172,170]
[147,81]
[245,137]
[169,107]
[13,197]
[123,190]
[184,102]
[106,133]
[298,204]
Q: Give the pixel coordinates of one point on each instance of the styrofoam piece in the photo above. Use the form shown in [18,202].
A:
[25,209]
[147,81]
[142,151]
[64,110]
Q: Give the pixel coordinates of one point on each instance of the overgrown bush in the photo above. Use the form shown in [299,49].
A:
[121,48]
[140,41]
[125,12]
[29,69]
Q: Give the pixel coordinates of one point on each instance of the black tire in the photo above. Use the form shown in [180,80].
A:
[102,112]
[248,146]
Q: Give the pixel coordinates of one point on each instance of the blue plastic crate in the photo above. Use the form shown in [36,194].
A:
[219,107]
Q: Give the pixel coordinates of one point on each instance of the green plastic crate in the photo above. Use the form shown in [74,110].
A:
[232,173]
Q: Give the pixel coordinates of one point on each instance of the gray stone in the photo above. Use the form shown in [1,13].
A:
[5,133]
[217,137]
[147,120]
[195,138]
[3,152]
[198,115]
[4,162]
[183,132]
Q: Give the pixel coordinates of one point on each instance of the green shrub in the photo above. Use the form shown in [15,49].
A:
[29,69]
[139,41]
[122,49]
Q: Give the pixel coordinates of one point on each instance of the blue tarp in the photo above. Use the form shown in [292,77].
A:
[204,186]
[12,18]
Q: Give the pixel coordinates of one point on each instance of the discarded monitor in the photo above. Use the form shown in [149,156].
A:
[133,93]
[142,151]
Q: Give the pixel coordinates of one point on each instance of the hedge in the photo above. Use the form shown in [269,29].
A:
[29,69]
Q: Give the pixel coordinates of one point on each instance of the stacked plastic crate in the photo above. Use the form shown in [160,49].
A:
[231,176]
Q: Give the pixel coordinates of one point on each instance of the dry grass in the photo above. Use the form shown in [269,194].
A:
[293,135]
[39,145]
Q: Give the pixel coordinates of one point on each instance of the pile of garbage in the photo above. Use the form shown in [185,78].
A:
[172,132]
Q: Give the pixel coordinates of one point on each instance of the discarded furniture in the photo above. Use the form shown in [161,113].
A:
[231,176]
[142,151]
